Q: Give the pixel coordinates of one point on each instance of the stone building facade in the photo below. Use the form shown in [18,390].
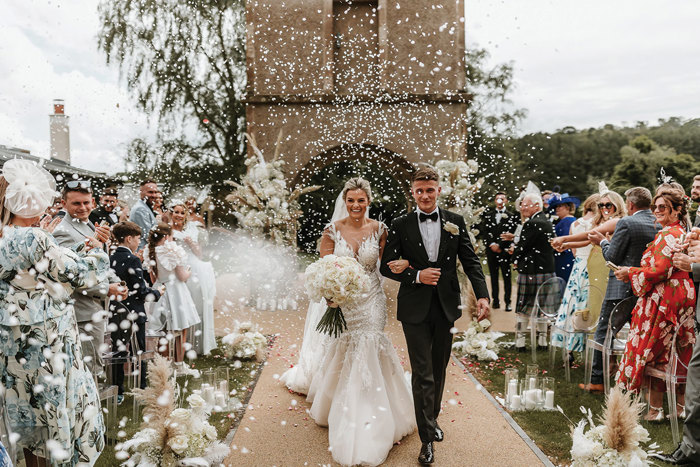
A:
[377,79]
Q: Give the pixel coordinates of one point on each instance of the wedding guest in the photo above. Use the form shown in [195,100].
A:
[534,259]
[123,210]
[577,288]
[496,221]
[688,451]
[202,285]
[564,207]
[130,270]
[46,383]
[666,298]
[107,210]
[695,197]
[626,247]
[193,210]
[168,266]
[142,212]
[90,310]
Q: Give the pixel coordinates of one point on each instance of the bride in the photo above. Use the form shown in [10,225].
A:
[359,390]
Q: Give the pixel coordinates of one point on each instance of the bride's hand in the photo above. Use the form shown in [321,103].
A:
[398,265]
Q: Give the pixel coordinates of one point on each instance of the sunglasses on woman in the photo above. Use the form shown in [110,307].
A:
[659,207]
[605,205]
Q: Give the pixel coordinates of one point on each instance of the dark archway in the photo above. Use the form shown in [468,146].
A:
[388,173]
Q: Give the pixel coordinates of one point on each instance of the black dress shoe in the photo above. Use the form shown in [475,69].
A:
[675,458]
[495,305]
[439,434]
[426,454]
[508,307]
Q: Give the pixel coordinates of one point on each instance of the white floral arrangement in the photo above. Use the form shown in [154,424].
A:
[245,342]
[459,188]
[341,280]
[171,436]
[616,442]
[477,341]
[262,203]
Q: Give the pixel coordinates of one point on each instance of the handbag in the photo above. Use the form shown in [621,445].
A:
[582,320]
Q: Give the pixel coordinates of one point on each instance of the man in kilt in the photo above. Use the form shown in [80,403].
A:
[534,260]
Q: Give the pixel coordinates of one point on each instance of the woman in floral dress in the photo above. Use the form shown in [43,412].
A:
[49,392]
[666,298]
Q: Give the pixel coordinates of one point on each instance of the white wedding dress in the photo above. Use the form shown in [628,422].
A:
[359,390]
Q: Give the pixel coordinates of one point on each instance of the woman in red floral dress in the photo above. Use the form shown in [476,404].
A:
[666,298]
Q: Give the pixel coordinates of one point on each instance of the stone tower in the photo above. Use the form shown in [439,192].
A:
[377,79]
[59,133]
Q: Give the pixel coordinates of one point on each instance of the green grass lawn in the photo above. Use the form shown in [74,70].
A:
[242,379]
[549,429]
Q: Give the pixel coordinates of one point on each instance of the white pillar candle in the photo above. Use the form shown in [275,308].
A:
[515,402]
[549,400]
[258,303]
[223,387]
[220,400]
[208,395]
[273,305]
[530,399]
[512,389]
[533,383]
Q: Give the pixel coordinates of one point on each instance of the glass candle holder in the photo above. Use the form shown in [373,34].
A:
[511,384]
[547,387]
[533,369]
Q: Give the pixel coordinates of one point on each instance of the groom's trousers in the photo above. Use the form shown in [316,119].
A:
[429,347]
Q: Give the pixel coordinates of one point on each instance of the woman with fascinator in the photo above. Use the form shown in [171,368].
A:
[359,390]
[49,392]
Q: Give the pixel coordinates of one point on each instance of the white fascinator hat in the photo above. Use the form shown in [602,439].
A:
[30,188]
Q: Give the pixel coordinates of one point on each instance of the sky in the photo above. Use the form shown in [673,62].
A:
[581,64]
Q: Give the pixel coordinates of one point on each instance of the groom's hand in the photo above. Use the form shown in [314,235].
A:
[429,276]
[483,309]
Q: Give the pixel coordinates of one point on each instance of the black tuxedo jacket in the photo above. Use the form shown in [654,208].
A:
[129,269]
[533,253]
[490,231]
[405,241]
[98,215]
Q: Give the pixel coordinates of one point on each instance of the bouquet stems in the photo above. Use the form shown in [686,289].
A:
[333,322]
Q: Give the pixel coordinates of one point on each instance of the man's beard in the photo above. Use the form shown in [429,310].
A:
[696,199]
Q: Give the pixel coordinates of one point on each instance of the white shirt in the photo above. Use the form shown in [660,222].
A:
[499,215]
[430,233]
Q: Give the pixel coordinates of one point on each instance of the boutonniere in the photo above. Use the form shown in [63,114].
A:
[504,215]
[451,228]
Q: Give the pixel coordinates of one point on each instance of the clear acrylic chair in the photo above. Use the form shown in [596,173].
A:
[107,392]
[547,302]
[614,343]
[568,332]
[671,377]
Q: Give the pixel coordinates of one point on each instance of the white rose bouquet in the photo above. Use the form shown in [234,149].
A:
[341,280]
[245,342]
[478,342]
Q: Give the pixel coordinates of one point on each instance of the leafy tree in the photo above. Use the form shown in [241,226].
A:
[185,63]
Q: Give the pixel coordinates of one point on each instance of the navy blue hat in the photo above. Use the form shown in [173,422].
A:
[558,199]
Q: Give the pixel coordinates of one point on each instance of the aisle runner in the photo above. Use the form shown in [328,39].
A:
[276,430]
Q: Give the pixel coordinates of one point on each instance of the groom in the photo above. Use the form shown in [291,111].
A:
[429,301]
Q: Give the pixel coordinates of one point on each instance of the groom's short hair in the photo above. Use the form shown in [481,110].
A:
[425,173]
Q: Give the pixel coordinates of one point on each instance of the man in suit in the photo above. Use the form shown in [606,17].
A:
[695,196]
[534,259]
[90,302]
[106,211]
[494,222]
[142,212]
[429,300]
[626,247]
[129,269]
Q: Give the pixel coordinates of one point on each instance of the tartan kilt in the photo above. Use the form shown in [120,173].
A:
[528,284]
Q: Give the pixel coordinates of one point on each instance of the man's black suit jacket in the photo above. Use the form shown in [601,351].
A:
[98,215]
[405,241]
[533,252]
[129,269]
[490,231]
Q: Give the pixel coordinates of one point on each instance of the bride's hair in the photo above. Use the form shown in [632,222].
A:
[357,183]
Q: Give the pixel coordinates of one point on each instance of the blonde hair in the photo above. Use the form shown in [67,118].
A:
[617,201]
[591,204]
[358,183]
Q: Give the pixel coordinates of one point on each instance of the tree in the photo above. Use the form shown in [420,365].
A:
[185,62]
[492,122]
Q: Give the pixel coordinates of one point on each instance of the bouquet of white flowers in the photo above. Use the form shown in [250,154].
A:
[172,436]
[478,342]
[245,342]
[341,280]
[616,441]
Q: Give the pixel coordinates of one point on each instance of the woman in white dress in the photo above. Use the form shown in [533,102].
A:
[360,391]
[169,267]
[202,284]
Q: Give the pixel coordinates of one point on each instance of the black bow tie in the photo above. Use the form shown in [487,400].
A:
[433,217]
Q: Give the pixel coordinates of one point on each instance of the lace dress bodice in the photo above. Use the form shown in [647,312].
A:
[369,314]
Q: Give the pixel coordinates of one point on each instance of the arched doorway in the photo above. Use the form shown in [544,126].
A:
[388,172]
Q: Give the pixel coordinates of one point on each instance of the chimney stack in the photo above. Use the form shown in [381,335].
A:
[59,132]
